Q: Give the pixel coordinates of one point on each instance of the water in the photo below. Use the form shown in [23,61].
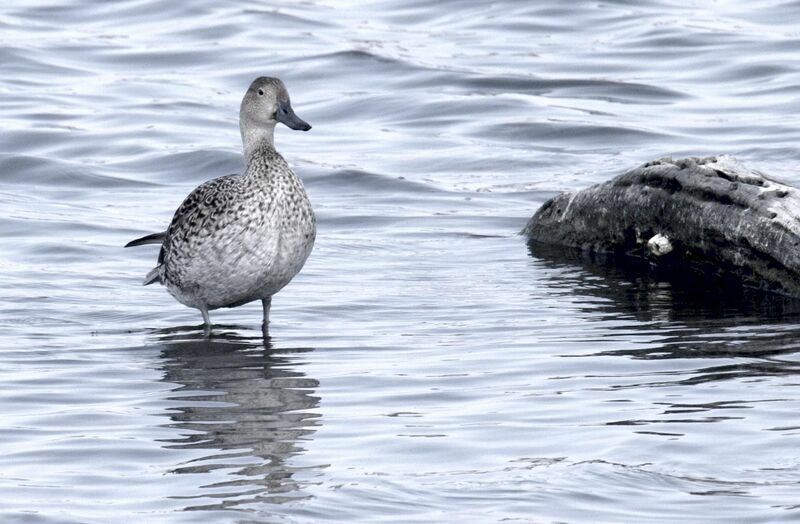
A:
[425,366]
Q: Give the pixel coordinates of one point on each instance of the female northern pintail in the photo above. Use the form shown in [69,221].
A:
[240,238]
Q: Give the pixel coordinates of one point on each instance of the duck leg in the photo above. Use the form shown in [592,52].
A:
[206,321]
[266,304]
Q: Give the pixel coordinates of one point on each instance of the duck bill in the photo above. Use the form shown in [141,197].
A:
[285,115]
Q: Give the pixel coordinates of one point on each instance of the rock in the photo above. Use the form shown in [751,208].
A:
[711,215]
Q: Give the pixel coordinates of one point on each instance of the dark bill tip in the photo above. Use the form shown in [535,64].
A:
[286,115]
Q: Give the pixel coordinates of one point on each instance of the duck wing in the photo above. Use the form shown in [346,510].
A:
[204,206]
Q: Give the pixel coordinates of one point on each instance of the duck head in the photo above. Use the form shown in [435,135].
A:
[264,105]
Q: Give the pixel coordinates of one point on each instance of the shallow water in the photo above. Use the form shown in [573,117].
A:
[426,365]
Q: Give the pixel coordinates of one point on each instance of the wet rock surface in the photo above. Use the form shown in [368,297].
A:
[710,215]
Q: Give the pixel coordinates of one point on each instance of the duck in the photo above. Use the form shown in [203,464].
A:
[237,239]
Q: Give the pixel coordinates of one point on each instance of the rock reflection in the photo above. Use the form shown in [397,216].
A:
[695,316]
[250,406]
[635,287]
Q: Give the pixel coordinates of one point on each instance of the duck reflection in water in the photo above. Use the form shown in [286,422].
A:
[250,406]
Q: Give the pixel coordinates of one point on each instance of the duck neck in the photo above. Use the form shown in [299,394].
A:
[256,137]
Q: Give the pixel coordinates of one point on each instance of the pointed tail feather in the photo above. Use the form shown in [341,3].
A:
[155,238]
[152,276]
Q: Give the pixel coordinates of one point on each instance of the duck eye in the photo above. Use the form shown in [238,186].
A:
[260,92]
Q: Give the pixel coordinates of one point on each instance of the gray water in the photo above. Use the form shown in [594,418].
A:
[426,365]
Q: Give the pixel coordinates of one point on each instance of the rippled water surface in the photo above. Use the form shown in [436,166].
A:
[426,365]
